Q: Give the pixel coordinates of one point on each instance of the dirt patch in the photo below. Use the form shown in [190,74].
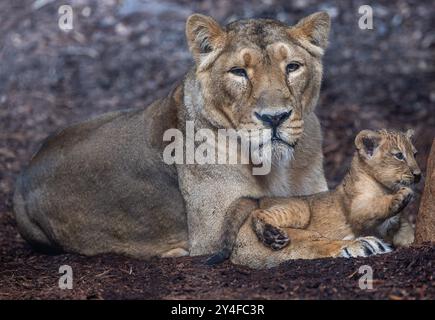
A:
[403,274]
[127,54]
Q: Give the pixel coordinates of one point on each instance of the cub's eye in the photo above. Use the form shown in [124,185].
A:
[240,72]
[293,66]
[399,156]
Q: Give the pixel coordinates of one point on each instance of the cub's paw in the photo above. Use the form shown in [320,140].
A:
[401,199]
[271,236]
[403,239]
[405,236]
[274,237]
[364,247]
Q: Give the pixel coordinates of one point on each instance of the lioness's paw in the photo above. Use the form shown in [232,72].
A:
[364,247]
[274,237]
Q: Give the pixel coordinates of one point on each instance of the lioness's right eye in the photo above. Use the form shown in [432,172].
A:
[240,72]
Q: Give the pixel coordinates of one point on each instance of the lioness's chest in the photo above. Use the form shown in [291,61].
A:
[277,183]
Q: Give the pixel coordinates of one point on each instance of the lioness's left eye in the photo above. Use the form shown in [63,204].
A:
[399,156]
[293,66]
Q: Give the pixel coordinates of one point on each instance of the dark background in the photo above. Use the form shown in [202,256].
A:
[124,54]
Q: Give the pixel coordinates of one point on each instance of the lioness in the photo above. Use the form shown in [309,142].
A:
[366,203]
[102,185]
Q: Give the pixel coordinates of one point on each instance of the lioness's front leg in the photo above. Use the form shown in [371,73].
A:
[211,195]
[237,213]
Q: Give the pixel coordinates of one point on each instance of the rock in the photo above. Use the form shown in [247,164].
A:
[425,225]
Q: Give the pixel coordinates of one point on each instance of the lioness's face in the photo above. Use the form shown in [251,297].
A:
[389,156]
[258,74]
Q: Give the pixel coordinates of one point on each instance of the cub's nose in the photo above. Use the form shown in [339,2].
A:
[417,176]
[273,120]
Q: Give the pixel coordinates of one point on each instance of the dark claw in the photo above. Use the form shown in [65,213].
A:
[368,251]
[281,241]
[274,237]
[380,246]
[368,248]
[277,246]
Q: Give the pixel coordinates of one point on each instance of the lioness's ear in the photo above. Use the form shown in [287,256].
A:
[409,133]
[366,142]
[314,28]
[206,39]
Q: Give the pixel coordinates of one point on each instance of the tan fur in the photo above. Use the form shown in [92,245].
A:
[102,186]
[375,190]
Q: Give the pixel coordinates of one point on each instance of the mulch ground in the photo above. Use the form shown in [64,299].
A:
[127,54]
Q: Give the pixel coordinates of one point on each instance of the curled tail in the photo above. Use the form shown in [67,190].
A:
[236,216]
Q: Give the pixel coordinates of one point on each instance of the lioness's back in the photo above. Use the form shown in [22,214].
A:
[104,166]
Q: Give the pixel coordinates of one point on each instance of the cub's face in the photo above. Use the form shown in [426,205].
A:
[389,156]
[259,74]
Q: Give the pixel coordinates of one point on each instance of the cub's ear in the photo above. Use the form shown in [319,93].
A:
[409,133]
[206,39]
[314,29]
[366,142]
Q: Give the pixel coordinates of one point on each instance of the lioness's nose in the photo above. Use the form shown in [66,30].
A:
[273,120]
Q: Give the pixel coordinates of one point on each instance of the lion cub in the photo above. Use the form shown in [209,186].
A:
[366,203]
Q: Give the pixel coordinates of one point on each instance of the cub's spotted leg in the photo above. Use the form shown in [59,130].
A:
[364,247]
[268,223]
